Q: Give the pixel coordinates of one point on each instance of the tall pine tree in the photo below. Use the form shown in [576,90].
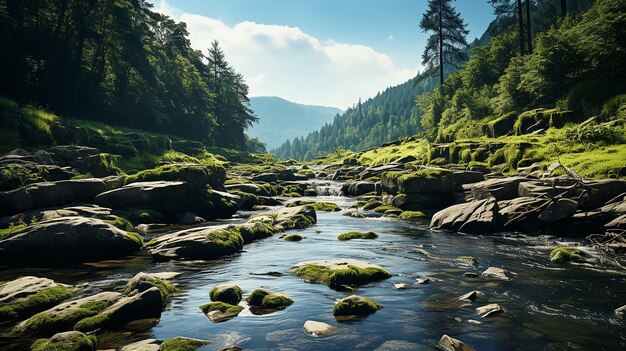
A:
[447,43]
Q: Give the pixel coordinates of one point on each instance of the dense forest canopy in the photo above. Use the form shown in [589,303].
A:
[122,63]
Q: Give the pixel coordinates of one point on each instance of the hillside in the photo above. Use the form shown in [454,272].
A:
[280,120]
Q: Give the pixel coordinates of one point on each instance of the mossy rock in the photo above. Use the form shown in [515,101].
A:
[468,260]
[198,175]
[413,215]
[220,311]
[26,304]
[266,299]
[357,235]
[317,206]
[228,293]
[68,341]
[385,208]
[293,237]
[372,204]
[566,254]
[145,215]
[121,223]
[339,273]
[182,344]
[355,305]
[144,281]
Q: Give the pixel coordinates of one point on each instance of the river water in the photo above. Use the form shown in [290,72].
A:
[547,306]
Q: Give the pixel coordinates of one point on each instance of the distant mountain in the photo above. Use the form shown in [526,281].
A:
[280,120]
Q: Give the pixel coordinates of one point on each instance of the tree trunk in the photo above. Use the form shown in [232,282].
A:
[563,8]
[529,36]
[440,43]
[521,27]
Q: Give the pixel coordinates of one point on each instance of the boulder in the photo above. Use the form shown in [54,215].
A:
[398,345]
[220,311]
[462,177]
[451,344]
[143,345]
[265,177]
[314,328]
[476,217]
[489,310]
[76,239]
[500,188]
[67,341]
[36,216]
[268,300]
[377,171]
[495,272]
[229,293]
[521,213]
[337,273]
[425,180]
[558,210]
[417,202]
[360,188]
[49,194]
[355,305]
[25,296]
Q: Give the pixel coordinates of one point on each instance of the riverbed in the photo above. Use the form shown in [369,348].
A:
[547,306]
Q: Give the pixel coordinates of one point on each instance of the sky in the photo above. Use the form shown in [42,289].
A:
[317,52]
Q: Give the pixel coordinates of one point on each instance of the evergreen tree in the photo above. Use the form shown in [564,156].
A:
[447,43]
[505,11]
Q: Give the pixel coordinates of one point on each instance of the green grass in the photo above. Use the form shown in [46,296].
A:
[357,235]
[317,206]
[7,232]
[77,342]
[182,344]
[351,276]
[264,168]
[356,305]
[37,302]
[199,176]
[40,118]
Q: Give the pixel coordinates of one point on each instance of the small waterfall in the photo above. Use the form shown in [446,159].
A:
[327,188]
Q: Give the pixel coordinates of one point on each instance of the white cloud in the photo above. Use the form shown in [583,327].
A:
[284,61]
[390,37]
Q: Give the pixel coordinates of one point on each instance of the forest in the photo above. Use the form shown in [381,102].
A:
[121,63]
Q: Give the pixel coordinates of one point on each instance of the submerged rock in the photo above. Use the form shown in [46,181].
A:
[489,310]
[470,296]
[355,305]
[228,293]
[336,273]
[67,341]
[496,272]
[314,328]
[451,344]
[76,239]
[220,311]
[357,235]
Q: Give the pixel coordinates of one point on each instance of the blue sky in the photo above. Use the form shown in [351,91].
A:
[327,52]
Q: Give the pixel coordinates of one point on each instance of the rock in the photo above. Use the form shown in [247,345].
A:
[355,305]
[355,213]
[220,311]
[189,218]
[521,213]
[476,217]
[183,344]
[360,188]
[228,293]
[470,275]
[66,315]
[566,254]
[265,177]
[36,216]
[398,345]
[49,194]
[337,273]
[467,177]
[25,296]
[496,272]
[451,344]
[67,341]
[471,296]
[377,171]
[424,181]
[43,157]
[141,305]
[76,239]
[144,281]
[489,310]
[468,260]
[618,223]
[402,286]
[143,345]
[422,281]
[559,209]
[314,328]
[357,235]
[266,299]
[418,202]
[619,312]
[500,188]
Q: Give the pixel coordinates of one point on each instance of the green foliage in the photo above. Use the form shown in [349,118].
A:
[182,344]
[357,235]
[76,342]
[7,103]
[40,119]
[24,307]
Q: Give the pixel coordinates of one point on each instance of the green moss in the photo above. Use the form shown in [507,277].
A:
[258,168]
[412,215]
[384,208]
[357,235]
[469,260]
[293,237]
[43,323]
[76,342]
[92,323]
[121,223]
[7,232]
[351,276]
[147,281]
[257,231]
[566,254]
[261,298]
[136,237]
[291,194]
[372,204]
[40,301]
[197,175]
[227,293]
[222,307]
[355,305]
[182,344]
[317,206]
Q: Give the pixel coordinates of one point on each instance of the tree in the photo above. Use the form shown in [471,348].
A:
[529,36]
[447,43]
[505,10]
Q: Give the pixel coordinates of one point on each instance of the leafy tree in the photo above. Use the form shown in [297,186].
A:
[447,43]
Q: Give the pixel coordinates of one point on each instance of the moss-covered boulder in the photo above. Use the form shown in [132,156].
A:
[337,273]
[228,293]
[317,206]
[355,305]
[413,215]
[144,281]
[199,176]
[425,180]
[565,254]
[66,315]
[357,235]
[25,296]
[293,237]
[220,311]
[75,239]
[67,341]
[266,299]
[183,344]
[468,260]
